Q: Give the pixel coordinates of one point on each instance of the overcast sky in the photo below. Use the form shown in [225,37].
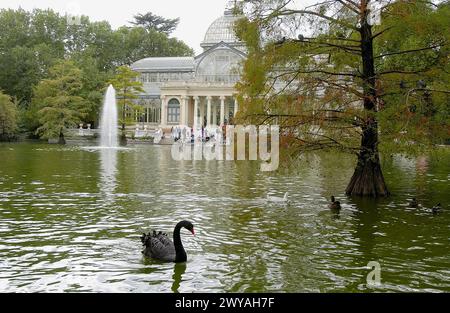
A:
[195,15]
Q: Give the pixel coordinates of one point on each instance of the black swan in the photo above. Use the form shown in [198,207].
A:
[159,246]
[414,203]
[334,205]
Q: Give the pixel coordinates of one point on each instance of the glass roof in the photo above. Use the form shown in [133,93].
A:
[167,63]
[221,30]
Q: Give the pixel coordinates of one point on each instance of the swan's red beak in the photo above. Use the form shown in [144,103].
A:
[193,232]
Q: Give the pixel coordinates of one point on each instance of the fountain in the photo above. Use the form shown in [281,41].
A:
[108,121]
[108,172]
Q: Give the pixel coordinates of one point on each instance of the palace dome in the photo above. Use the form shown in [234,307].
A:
[221,30]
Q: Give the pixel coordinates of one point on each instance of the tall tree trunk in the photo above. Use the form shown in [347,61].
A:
[123,135]
[368,178]
[124,115]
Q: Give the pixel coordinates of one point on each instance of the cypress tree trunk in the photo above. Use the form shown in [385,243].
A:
[123,134]
[368,178]
[123,139]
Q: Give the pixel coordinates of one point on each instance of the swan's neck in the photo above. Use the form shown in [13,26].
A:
[179,249]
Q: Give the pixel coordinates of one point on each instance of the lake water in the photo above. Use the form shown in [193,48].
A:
[71,218]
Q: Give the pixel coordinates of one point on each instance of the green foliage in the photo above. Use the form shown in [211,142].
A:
[138,43]
[57,102]
[19,72]
[315,85]
[94,82]
[160,24]
[30,42]
[33,42]
[8,117]
[128,88]
[417,95]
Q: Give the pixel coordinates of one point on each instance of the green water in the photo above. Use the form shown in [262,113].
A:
[70,221]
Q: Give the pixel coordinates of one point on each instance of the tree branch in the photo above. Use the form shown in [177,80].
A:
[328,18]
[382,32]
[407,51]
[348,48]
[329,73]
[348,6]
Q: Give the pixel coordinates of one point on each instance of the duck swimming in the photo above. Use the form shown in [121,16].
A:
[414,203]
[436,209]
[334,205]
[278,199]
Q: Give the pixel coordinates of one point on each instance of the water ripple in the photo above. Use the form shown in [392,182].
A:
[73,224]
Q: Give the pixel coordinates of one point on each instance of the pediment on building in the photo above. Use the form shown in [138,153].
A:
[219,46]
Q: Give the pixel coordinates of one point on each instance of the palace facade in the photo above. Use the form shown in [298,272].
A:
[193,91]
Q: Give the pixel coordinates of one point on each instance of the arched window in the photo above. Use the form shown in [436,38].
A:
[173,111]
[219,66]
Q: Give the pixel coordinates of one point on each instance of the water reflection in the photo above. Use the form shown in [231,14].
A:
[60,230]
[108,171]
[178,270]
[366,221]
[335,214]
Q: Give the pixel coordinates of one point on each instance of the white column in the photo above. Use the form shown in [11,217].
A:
[202,113]
[222,110]
[215,114]
[208,112]
[196,100]
[184,110]
[163,112]
[181,111]
[236,106]
[227,113]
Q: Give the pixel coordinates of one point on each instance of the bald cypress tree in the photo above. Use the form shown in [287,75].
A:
[128,88]
[58,102]
[331,75]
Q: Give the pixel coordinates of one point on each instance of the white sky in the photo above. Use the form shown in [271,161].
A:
[195,15]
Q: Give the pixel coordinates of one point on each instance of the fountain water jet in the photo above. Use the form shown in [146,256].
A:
[109,120]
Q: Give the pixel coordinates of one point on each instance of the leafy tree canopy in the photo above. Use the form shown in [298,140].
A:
[58,102]
[128,87]
[8,117]
[333,79]
[151,21]
[31,42]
